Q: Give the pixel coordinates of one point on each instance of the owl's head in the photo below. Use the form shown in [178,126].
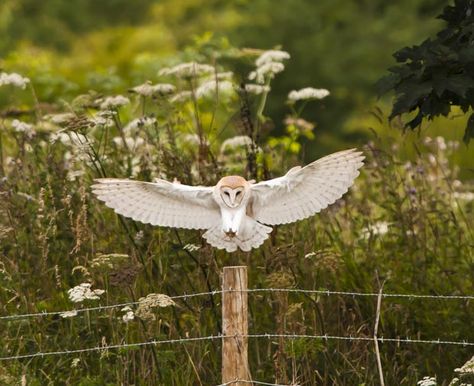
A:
[233,191]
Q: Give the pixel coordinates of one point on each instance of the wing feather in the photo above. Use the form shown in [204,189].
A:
[160,202]
[302,192]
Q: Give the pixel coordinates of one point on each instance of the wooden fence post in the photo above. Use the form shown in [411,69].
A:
[235,326]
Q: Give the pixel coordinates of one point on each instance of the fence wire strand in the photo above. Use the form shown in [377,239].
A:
[251,290]
[251,336]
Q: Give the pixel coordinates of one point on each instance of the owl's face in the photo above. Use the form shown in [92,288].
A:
[232,197]
[232,191]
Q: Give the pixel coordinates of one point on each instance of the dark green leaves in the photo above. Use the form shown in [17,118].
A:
[437,74]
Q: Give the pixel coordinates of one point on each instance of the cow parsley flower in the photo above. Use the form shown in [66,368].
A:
[272,56]
[83,292]
[266,70]
[182,96]
[427,381]
[129,315]
[113,102]
[209,87]
[237,141]
[13,79]
[308,93]
[131,142]
[139,123]
[187,70]
[23,127]
[149,89]
[256,89]
[379,228]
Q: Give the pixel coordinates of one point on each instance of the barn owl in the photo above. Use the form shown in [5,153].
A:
[235,213]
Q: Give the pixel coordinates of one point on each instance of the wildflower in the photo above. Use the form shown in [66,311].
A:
[271,56]
[256,89]
[181,97]
[267,70]
[191,247]
[129,315]
[427,381]
[228,75]
[104,118]
[59,118]
[68,314]
[308,93]
[139,123]
[14,80]
[194,139]
[237,141]
[464,196]
[300,123]
[75,362]
[440,141]
[210,87]
[151,301]
[379,228]
[114,102]
[23,127]
[83,292]
[187,70]
[149,89]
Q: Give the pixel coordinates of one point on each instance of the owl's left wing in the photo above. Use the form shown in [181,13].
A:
[302,192]
[160,202]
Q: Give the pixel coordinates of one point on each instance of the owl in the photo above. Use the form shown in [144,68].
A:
[236,213]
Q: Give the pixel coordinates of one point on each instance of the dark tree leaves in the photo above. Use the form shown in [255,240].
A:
[437,74]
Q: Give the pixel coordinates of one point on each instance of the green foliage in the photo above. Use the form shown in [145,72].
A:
[438,73]
[406,222]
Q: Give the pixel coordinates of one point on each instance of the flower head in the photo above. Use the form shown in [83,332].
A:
[256,89]
[272,56]
[14,80]
[187,70]
[209,87]
[149,89]
[308,93]
[266,70]
[113,102]
[23,127]
[83,292]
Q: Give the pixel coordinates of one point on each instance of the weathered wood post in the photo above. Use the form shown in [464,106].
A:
[235,326]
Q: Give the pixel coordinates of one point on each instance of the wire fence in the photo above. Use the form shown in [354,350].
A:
[251,290]
[325,337]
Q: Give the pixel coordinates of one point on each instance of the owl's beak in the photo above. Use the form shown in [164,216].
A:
[231,234]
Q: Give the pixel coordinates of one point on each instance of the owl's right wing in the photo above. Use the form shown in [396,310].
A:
[302,192]
[160,202]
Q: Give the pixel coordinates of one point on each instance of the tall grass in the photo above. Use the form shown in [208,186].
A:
[405,224]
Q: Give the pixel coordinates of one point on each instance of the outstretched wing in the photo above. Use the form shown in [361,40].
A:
[302,192]
[160,203]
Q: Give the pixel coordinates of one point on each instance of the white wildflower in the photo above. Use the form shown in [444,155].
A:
[464,196]
[308,93]
[187,70]
[237,141]
[129,315]
[267,70]
[181,97]
[22,127]
[379,228]
[228,75]
[272,56]
[191,247]
[193,139]
[256,89]
[68,314]
[114,102]
[131,142]
[14,80]
[427,381]
[75,362]
[139,123]
[149,89]
[104,118]
[441,142]
[209,87]
[83,292]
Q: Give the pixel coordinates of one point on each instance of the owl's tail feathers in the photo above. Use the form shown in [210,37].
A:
[251,235]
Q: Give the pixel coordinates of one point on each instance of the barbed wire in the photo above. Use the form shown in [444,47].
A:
[99,308]
[325,337]
[367,294]
[251,290]
[255,383]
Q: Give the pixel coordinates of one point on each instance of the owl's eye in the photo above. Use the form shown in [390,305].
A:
[227,194]
[238,193]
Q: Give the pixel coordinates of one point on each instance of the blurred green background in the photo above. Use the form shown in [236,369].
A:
[67,47]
